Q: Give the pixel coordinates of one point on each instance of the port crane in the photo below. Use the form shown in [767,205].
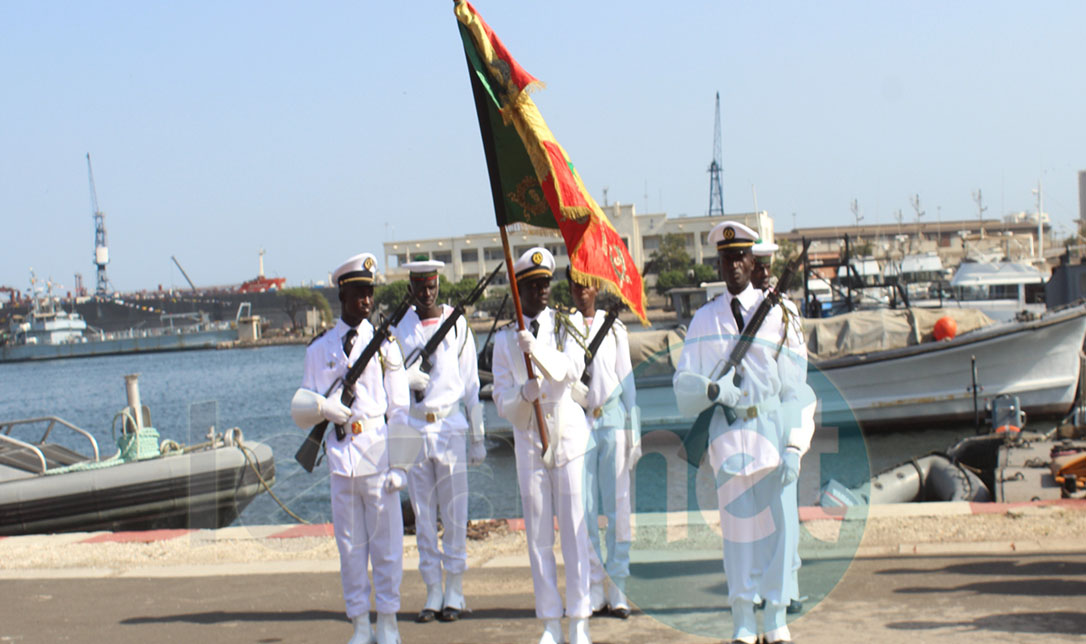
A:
[716,192]
[186,275]
[101,249]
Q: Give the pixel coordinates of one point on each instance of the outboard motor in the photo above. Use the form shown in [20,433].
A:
[1006,415]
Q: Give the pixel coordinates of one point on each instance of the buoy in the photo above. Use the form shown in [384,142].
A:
[945,328]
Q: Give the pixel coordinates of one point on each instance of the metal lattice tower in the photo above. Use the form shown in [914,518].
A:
[716,192]
[101,249]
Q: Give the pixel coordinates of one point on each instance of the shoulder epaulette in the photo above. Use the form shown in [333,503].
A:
[318,336]
[507,325]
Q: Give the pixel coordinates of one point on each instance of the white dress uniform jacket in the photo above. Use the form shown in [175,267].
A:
[563,417]
[380,393]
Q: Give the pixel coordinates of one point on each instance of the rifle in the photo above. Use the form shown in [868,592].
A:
[426,352]
[597,340]
[696,440]
[310,449]
[486,357]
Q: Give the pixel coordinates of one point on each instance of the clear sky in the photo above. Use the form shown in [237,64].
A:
[317,130]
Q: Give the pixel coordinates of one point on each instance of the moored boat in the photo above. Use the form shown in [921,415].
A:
[59,481]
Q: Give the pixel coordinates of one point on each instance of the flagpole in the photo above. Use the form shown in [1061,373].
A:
[520,327]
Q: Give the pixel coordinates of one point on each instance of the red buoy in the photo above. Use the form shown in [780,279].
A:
[945,328]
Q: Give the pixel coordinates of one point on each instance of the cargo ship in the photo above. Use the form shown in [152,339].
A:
[49,332]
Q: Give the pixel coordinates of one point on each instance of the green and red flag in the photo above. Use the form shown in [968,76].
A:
[532,179]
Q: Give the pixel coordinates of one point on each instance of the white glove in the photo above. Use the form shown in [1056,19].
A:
[690,392]
[551,361]
[417,379]
[531,389]
[525,340]
[335,411]
[729,394]
[476,452]
[633,437]
[579,391]
[395,480]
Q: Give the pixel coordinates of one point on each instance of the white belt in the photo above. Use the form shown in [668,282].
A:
[753,411]
[431,415]
[365,424]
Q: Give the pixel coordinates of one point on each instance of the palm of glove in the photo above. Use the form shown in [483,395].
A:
[333,409]
[395,480]
[789,466]
[729,393]
[476,453]
[417,379]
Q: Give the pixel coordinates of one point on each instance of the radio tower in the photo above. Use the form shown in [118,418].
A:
[716,192]
[101,250]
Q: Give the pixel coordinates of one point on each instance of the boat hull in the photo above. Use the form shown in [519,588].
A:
[932,383]
[133,344]
[202,489]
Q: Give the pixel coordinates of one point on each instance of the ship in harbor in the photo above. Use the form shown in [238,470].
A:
[49,331]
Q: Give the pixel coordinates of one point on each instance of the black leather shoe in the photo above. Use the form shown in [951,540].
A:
[425,616]
[450,614]
[794,607]
[621,612]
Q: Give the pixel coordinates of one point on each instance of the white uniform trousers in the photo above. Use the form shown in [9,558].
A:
[546,494]
[759,551]
[369,529]
[607,490]
[440,485]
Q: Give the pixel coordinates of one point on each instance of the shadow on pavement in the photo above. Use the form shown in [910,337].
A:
[1041,587]
[1047,623]
[1000,567]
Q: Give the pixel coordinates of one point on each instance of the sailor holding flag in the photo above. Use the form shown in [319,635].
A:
[552,480]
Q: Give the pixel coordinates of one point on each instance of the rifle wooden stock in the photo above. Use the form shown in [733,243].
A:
[308,453]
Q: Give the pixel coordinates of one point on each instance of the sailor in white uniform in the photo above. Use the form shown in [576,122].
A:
[610,404]
[551,483]
[365,491]
[445,408]
[755,457]
[760,278]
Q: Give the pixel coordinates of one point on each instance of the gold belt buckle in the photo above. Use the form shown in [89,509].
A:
[752,412]
[597,412]
[356,427]
[430,416]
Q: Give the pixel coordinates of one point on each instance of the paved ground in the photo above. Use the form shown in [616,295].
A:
[1020,590]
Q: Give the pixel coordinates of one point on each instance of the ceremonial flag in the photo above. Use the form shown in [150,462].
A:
[532,179]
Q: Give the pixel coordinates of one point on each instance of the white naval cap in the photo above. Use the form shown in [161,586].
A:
[359,269]
[423,268]
[763,251]
[732,234]
[533,263]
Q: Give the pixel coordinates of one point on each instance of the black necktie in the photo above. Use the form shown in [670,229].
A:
[534,327]
[737,312]
[348,342]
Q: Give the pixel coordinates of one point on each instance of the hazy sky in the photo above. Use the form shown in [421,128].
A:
[317,130]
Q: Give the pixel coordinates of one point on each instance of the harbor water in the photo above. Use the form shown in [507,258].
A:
[251,389]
